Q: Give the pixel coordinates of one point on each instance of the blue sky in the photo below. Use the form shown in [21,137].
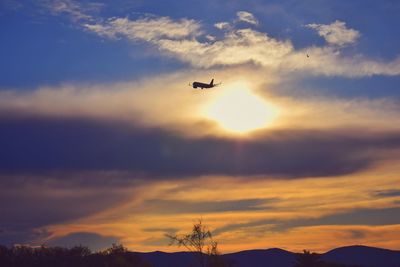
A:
[103,140]
[65,52]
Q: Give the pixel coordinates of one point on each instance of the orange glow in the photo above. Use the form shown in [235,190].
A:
[291,200]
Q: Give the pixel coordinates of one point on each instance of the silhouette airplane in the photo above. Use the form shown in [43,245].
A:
[204,85]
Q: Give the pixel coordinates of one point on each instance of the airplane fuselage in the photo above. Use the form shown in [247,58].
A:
[202,85]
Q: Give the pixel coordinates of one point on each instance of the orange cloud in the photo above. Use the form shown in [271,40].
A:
[309,208]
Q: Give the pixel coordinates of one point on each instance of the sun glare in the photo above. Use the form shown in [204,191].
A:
[238,110]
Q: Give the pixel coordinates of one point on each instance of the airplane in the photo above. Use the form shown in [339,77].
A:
[204,85]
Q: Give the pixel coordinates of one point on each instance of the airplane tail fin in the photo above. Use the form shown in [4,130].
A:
[212,82]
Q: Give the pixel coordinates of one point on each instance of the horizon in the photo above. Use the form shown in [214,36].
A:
[103,138]
[262,249]
[183,250]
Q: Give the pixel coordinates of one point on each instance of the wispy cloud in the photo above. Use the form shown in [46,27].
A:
[177,38]
[238,47]
[387,193]
[77,11]
[162,206]
[376,216]
[246,17]
[336,33]
[307,216]
[150,29]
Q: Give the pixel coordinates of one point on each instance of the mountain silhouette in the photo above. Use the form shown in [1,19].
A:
[262,258]
[362,256]
[254,258]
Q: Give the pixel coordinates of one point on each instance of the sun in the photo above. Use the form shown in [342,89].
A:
[238,110]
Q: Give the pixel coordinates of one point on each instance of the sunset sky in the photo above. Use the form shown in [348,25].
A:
[102,140]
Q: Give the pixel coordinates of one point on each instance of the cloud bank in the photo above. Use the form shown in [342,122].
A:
[236,46]
[96,163]
[71,145]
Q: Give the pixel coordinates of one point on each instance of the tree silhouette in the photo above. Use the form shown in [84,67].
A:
[308,259]
[200,242]
[214,257]
[79,256]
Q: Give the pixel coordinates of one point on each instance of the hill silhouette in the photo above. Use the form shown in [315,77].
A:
[254,258]
[118,256]
[362,256]
[261,258]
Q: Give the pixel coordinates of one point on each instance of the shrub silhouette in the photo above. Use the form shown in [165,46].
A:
[79,256]
[308,259]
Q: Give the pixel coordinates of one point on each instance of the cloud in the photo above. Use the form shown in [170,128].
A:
[21,234]
[147,29]
[84,145]
[107,127]
[71,155]
[77,11]
[141,103]
[37,200]
[29,202]
[336,33]
[247,46]
[177,38]
[238,47]
[383,216]
[296,199]
[246,17]
[222,25]
[200,207]
[387,193]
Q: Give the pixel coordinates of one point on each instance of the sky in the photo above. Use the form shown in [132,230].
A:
[104,141]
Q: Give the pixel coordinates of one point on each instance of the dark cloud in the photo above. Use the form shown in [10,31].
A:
[357,234]
[39,145]
[235,226]
[56,170]
[178,206]
[385,216]
[30,204]
[387,193]
[41,207]
[21,234]
[94,241]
